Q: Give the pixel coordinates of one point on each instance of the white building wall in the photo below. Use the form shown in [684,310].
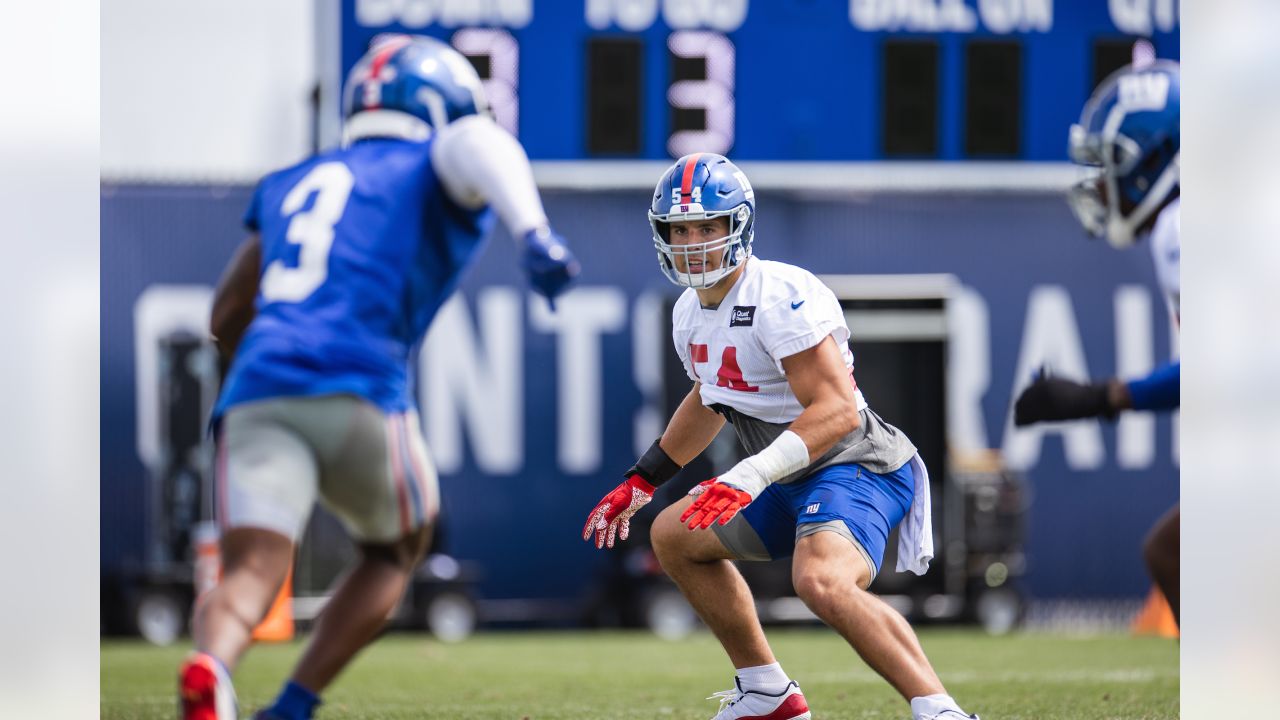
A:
[205,90]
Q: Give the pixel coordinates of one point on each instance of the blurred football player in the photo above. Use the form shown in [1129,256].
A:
[351,255]
[766,346]
[1129,133]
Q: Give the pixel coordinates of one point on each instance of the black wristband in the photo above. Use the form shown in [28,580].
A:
[655,466]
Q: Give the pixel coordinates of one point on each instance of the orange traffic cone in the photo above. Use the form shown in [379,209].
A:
[1155,618]
[277,626]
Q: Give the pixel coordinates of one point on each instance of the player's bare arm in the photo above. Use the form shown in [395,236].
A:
[233,300]
[692,428]
[820,381]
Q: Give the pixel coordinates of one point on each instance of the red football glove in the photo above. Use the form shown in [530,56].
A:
[714,501]
[611,517]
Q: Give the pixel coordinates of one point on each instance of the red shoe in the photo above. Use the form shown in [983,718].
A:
[204,690]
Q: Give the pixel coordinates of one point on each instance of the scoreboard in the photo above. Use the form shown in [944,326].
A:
[773,80]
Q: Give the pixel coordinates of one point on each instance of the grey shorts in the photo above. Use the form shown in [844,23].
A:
[277,457]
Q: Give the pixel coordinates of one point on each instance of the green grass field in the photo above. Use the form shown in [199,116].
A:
[546,675]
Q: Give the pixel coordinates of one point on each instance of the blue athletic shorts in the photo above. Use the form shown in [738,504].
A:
[837,497]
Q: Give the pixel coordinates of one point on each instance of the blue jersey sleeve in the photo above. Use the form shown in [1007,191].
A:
[253,214]
[1158,391]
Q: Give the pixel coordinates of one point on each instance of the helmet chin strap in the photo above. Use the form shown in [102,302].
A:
[716,276]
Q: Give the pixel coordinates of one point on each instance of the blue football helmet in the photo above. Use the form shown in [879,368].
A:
[1129,132]
[703,186]
[406,87]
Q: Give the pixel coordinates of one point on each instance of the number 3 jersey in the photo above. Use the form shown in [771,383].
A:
[360,248]
[735,352]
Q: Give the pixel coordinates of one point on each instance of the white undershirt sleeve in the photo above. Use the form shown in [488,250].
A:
[480,164]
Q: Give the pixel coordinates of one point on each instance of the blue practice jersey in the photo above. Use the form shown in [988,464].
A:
[360,248]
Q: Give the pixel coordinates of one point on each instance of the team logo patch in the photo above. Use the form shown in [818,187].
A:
[742,316]
[812,509]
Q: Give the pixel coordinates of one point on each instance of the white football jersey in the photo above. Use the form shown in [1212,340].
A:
[1166,251]
[735,350]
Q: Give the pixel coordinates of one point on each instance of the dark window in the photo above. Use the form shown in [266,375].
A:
[993,98]
[910,121]
[1109,55]
[482,65]
[688,68]
[613,96]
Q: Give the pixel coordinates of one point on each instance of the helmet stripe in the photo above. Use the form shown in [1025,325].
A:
[388,49]
[686,181]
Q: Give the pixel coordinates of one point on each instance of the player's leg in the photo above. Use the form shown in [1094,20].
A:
[847,515]
[699,562]
[1161,551]
[266,479]
[831,576]
[255,563]
[700,566]
[378,480]
[359,608]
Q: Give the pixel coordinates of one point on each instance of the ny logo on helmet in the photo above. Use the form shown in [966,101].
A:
[1144,91]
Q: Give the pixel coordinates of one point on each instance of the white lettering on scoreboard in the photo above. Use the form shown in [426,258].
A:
[997,16]
[1144,17]
[636,15]
[417,14]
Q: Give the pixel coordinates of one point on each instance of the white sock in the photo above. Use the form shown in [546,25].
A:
[768,678]
[926,707]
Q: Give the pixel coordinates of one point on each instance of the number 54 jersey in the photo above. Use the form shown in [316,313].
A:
[735,352]
[360,248]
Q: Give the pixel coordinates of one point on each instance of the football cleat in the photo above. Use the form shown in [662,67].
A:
[950,715]
[204,690]
[739,704]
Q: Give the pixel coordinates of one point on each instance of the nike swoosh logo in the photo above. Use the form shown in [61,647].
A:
[796,305]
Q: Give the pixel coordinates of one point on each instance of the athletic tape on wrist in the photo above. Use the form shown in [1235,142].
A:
[786,455]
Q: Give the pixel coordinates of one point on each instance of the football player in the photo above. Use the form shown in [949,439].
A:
[350,256]
[1129,134]
[767,349]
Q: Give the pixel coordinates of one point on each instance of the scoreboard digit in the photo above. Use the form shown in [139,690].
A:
[496,57]
[701,93]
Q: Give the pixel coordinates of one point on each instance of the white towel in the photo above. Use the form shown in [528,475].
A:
[915,534]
